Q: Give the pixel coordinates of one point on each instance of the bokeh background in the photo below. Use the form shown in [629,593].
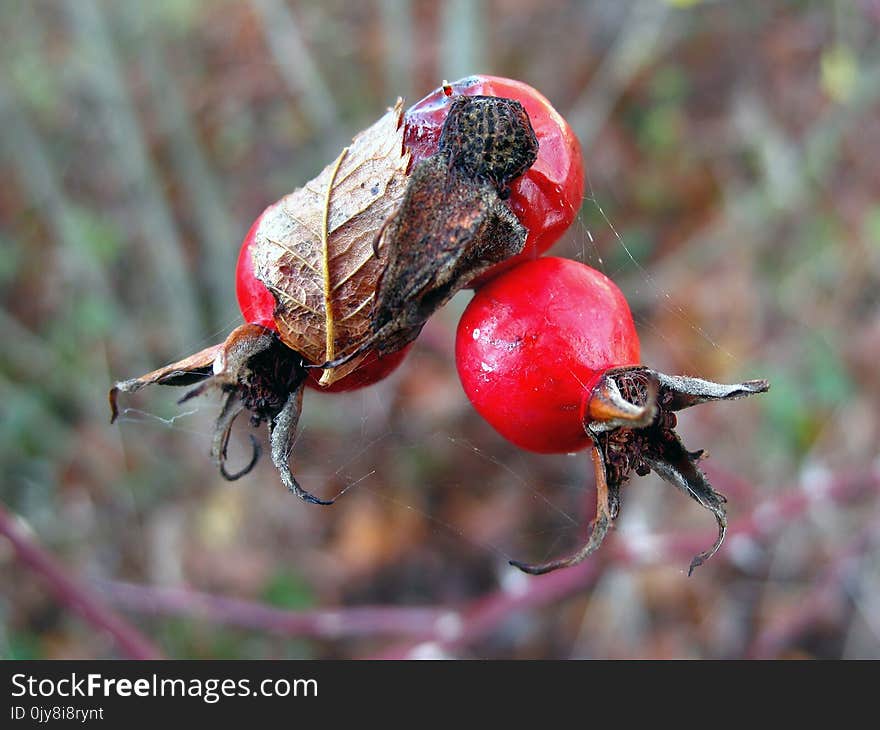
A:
[733,157]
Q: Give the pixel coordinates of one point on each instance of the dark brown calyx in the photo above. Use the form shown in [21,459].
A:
[272,374]
[631,418]
[489,138]
[256,372]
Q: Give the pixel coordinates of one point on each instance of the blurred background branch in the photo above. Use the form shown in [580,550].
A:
[438,631]
[72,596]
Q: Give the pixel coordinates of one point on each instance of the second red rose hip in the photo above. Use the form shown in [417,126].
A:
[548,354]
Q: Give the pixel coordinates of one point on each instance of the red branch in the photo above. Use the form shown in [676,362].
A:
[321,624]
[432,631]
[484,615]
[70,595]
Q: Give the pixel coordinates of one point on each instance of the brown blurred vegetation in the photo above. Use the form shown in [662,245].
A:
[733,154]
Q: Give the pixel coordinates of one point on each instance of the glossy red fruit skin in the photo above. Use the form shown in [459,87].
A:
[255,301]
[547,198]
[533,343]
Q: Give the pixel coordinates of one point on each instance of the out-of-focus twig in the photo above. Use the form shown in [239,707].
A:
[127,147]
[296,65]
[463,37]
[486,614]
[71,595]
[32,356]
[31,158]
[218,233]
[398,32]
[793,175]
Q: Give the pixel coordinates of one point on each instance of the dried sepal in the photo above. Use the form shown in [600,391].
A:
[683,391]
[232,408]
[607,506]
[630,416]
[184,372]
[678,466]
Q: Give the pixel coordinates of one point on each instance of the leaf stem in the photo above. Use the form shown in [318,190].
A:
[330,335]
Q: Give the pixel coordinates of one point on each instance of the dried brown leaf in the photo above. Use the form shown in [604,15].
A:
[314,251]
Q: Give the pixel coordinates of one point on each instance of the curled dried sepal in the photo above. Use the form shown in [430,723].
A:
[256,372]
[607,505]
[630,416]
[683,391]
[608,409]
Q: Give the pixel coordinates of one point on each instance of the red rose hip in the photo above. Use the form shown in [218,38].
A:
[548,355]
[527,377]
